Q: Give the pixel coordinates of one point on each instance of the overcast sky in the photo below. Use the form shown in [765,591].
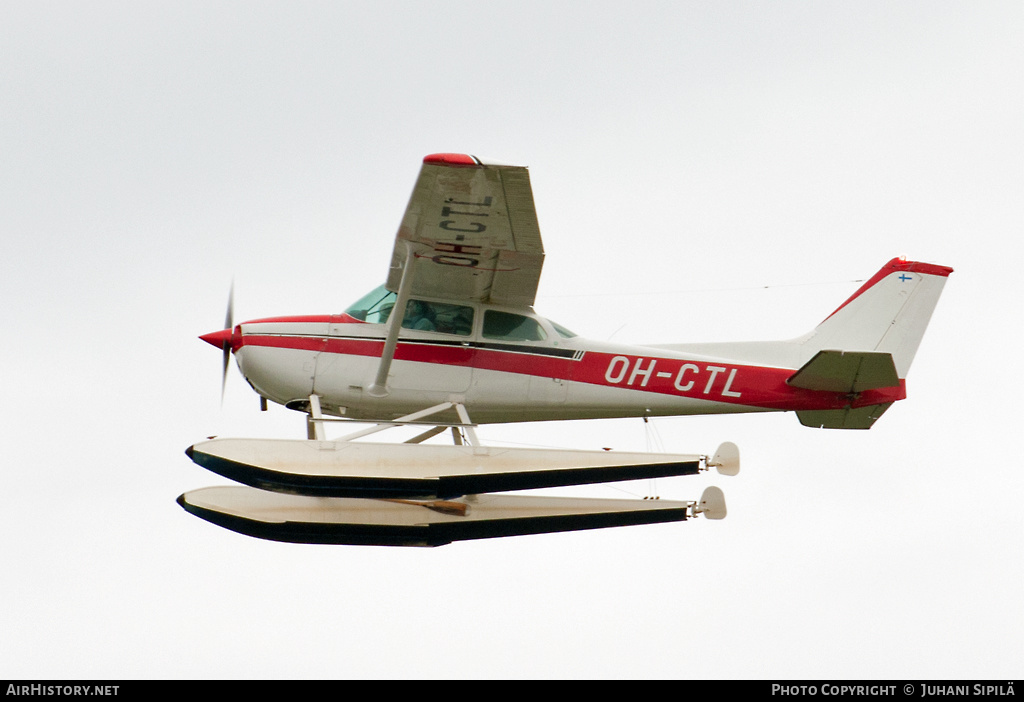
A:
[702,171]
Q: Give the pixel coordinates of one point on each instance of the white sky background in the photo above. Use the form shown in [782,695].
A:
[683,156]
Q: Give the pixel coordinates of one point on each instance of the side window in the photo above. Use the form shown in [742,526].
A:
[439,317]
[562,331]
[513,327]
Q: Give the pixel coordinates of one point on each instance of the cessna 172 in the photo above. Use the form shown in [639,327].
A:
[451,341]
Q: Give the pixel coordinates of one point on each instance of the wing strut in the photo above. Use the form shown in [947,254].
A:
[379,387]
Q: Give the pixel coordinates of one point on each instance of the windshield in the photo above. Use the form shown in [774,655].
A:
[374,307]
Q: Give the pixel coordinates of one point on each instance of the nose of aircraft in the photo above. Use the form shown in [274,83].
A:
[225,340]
[218,338]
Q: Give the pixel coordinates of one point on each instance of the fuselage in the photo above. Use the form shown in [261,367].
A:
[512,365]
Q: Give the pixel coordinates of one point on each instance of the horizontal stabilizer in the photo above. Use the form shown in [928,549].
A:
[847,372]
[336,520]
[382,470]
[850,418]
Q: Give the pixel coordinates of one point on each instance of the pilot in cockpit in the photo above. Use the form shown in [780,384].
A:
[418,316]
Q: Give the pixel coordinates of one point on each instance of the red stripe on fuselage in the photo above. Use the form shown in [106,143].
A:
[525,363]
[753,386]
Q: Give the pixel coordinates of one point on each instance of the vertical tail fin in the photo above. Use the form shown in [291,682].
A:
[888,314]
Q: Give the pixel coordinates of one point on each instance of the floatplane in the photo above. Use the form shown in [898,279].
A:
[451,341]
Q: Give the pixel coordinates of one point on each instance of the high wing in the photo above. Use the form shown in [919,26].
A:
[471,231]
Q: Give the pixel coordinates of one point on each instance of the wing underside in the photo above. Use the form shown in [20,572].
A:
[471,230]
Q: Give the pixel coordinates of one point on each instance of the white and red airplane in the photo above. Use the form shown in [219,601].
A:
[451,341]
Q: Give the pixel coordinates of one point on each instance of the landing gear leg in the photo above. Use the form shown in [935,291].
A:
[314,420]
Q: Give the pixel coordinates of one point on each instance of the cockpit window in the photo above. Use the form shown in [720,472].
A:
[513,327]
[421,315]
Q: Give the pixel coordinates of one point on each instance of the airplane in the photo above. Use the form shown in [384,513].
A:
[451,341]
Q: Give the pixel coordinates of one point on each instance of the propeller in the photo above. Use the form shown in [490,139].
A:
[222,340]
[229,323]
